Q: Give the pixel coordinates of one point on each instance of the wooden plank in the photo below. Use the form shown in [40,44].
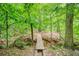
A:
[39,48]
[39,42]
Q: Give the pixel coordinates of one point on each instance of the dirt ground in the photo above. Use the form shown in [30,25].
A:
[18,52]
[29,52]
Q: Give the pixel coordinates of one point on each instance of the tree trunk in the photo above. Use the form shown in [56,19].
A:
[39,29]
[40,20]
[0,30]
[6,23]
[50,26]
[58,26]
[32,33]
[69,27]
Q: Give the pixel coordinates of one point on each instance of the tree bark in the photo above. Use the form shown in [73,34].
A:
[69,26]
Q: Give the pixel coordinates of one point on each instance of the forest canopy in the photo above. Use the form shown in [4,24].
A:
[41,15]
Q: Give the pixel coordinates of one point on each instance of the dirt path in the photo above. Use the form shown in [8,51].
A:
[29,52]
[17,52]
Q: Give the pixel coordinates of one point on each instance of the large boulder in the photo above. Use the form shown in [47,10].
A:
[48,37]
[25,38]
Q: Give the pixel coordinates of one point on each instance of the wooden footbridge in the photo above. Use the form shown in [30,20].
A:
[39,46]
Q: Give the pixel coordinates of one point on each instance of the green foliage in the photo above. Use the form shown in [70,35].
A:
[19,44]
[41,15]
[2,46]
[29,43]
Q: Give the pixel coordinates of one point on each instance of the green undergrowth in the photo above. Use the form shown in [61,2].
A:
[22,44]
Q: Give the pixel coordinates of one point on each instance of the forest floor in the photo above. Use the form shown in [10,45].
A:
[29,52]
[54,50]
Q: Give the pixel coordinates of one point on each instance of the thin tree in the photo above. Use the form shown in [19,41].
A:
[40,20]
[0,30]
[51,26]
[58,26]
[6,24]
[27,8]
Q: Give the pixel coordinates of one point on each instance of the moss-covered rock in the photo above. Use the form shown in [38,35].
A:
[19,44]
